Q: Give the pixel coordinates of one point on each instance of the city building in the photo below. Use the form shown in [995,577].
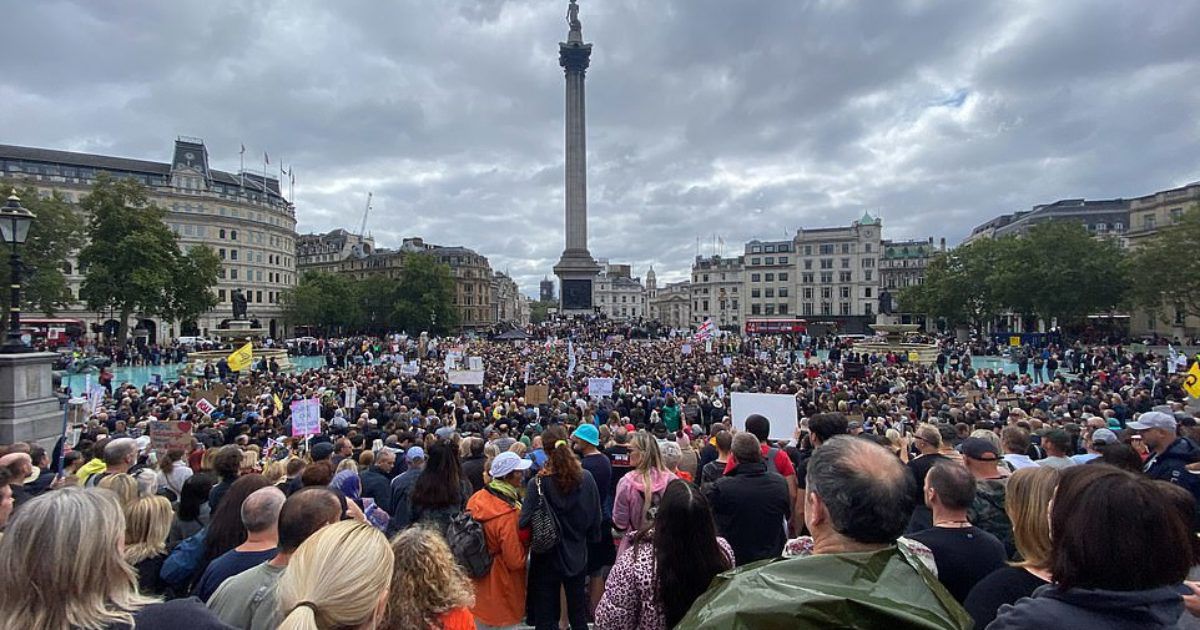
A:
[769,280]
[835,279]
[546,290]
[243,217]
[717,291]
[617,294]
[671,305]
[506,299]
[903,265]
[1104,217]
[324,252]
[471,272]
[1147,216]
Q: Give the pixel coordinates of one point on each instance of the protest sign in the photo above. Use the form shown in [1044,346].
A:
[600,387]
[780,409]
[727,361]
[167,435]
[686,349]
[306,417]
[412,368]
[475,364]
[352,398]
[913,357]
[465,377]
[537,395]
[204,407]
[595,355]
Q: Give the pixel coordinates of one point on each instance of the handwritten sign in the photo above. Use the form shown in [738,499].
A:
[306,417]
[465,377]
[537,395]
[600,387]
[168,435]
[204,407]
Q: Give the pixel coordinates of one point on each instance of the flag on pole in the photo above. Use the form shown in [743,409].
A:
[241,358]
[266,158]
[570,358]
[278,403]
[705,331]
[1191,383]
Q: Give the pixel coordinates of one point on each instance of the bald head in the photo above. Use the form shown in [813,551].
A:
[120,452]
[865,488]
[260,510]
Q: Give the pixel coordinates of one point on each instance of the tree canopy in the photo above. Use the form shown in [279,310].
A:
[56,233]
[1164,271]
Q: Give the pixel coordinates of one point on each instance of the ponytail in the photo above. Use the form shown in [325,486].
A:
[302,617]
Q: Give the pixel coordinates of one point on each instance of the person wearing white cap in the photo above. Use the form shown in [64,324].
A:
[1097,440]
[500,595]
[1169,453]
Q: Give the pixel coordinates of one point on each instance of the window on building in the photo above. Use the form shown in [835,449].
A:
[735,305]
[755,277]
[806,278]
[844,308]
[705,309]
[808,293]
[826,277]
[866,308]
[233,235]
[844,292]
[1148,222]
[869,263]
[867,275]
[808,308]
[756,250]
[783,292]
[1176,214]
[770,309]
[845,248]
[867,247]
[233,273]
[808,250]
[769,292]
[826,308]
[845,276]
[808,263]
[706,277]
[770,249]
[755,293]
[769,277]
[769,260]
[755,261]
[221,253]
[221,295]
[221,233]
[826,249]
[783,260]
[845,263]
[258,296]
[827,263]
[867,292]
[826,293]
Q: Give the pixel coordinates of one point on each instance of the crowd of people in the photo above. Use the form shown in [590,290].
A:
[935,496]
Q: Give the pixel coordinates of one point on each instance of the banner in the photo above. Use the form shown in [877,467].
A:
[475,364]
[412,368]
[727,361]
[241,358]
[351,397]
[278,403]
[537,395]
[95,397]
[306,417]
[466,377]
[167,435]
[780,409]
[1191,383]
[1014,341]
[600,387]
[570,358]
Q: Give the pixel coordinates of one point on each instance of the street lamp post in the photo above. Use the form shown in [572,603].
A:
[14,229]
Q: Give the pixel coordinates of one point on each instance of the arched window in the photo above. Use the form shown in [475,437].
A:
[67,268]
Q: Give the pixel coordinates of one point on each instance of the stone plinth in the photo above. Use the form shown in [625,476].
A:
[894,340]
[29,409]
[239,332]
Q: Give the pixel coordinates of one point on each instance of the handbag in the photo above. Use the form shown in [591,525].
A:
[543,525]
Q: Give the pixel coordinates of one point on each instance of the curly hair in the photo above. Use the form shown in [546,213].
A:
[426,581]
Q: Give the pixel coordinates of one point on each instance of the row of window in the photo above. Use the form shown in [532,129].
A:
[770,249]
[769,260]
[734,289]
[827,277]
[272,297]
[768,277]
[808,308]
[702,305]
[254,275]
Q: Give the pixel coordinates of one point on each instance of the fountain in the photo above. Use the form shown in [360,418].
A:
[240,330]
[894,336]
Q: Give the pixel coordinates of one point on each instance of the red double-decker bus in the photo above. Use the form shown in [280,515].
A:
[54,332]
[776,326]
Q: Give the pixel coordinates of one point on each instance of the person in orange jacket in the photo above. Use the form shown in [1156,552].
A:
[500,595]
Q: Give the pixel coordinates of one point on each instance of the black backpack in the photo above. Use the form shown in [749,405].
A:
[468,543]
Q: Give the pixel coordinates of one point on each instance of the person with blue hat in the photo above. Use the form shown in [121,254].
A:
[602,554]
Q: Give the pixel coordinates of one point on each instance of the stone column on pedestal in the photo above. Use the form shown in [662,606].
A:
[576,269]
[29,409]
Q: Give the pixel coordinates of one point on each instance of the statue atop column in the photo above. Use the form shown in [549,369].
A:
[239,304]
[576,34]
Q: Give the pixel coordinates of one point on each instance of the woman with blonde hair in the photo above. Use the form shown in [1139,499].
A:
[638,492]
[1027,503]
[429,590]
[124,486]
[276,471]
[146,532]
[68,543]
[338,578]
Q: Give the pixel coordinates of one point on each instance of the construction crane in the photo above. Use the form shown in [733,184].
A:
[362,231]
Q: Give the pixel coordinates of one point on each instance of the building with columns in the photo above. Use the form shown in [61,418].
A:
[671,305]
[243,217]
[618,295]
[717,291]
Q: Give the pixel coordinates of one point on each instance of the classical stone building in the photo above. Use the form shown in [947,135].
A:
[324,252]
[903,265]
[1148,215]
[473,282]
[506,300]
[836,273]
[243,217]
[617,294]
[546,290]
[671,305]
[769,279]
[717,284]
[1101,217]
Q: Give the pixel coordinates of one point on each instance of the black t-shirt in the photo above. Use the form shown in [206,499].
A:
[602,471]
[964,556]
[1003,586]
[920,468]
[619,456]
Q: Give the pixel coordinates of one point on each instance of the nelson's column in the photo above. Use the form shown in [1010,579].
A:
[576,270]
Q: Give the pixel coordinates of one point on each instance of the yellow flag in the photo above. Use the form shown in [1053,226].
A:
[278,403]
[241,358]
[1191,382]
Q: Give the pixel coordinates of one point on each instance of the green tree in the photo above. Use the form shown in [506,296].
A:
[132,260]
[1061,272]
[195,273]
[540,311]
[57,232]
[1164,272]
[425,296]
[323,300]
[376,296]
[962,286]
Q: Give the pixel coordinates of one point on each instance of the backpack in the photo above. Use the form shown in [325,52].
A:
[772,454]
[184,561]
[468,543]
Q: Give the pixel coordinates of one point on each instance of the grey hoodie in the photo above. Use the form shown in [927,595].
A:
[1091,609]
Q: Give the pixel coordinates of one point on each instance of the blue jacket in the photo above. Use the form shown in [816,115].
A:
[1091,609]
[1171,466]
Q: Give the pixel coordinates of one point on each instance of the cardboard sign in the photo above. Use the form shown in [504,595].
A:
[306,417]
[780,409]
[595,355]
[168,435]
[465,377]
[204,407]
[600,387]
[537,394]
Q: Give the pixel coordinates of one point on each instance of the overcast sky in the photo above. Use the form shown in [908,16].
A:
[743,119]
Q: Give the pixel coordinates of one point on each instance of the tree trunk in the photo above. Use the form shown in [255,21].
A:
[123,328]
